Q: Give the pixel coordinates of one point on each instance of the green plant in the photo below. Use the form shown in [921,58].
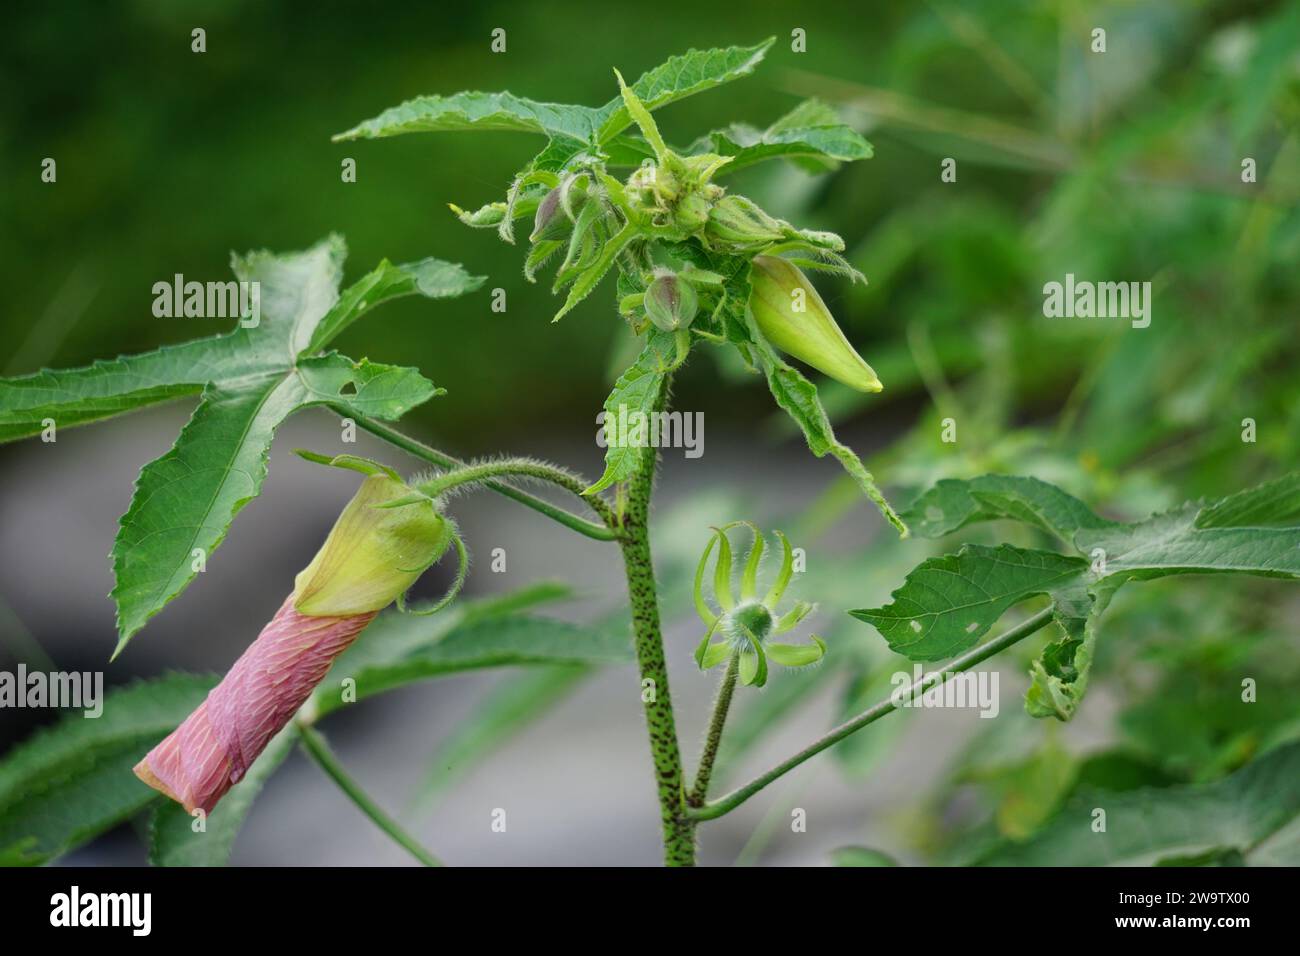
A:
[694,264]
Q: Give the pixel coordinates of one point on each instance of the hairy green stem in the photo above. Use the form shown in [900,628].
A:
[600,532]
[713,737]
[485,471]
[678,831]
[968,660]
[317,748]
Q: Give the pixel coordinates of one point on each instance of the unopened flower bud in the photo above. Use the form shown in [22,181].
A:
[199,761]
[793,317]
[670,302]
[551,220]
[739,223]
[692,212]
[372,555]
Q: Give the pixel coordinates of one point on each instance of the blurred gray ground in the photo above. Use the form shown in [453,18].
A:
[576,786]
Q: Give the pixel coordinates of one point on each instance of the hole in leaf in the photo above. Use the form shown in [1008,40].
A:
[349,388]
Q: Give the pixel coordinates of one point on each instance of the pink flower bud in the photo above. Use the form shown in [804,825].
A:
[212,750]
[381,543]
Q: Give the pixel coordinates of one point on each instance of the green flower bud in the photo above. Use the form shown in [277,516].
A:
[552,220]
[373,554]
[670,302]
[739,223]
[793,317]
[692,213]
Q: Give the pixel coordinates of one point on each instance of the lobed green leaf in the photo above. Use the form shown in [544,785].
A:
[480,111]
[571,130]
[103,389]
[185,501]
[1172,543]
[1275,502]
[250,380]
[954,503]
[679,77]
[810,135]
[947,603]
[431,278]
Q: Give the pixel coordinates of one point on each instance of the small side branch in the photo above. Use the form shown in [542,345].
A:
[721,706]
[717,808]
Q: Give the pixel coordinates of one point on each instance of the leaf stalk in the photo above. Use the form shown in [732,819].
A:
[606,531]
[318,749]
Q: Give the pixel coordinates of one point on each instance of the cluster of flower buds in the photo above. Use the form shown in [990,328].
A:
[592,220]
[674,195]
